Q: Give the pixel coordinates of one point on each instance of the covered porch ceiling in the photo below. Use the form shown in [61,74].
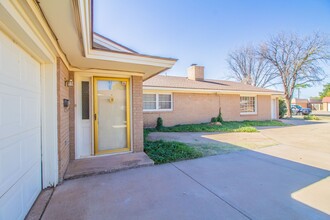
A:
[71,23]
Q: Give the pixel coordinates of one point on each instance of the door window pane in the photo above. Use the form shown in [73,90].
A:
[85,100]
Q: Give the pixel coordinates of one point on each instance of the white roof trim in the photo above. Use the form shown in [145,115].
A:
[210,91]
[119,56]
[109,45]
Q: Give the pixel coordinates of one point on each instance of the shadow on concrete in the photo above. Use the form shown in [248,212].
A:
[294,121]
[298,186]
[262,186]
[241,185]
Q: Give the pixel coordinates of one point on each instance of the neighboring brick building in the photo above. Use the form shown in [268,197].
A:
[193,99]
[302,102]
[315,104]
[326,104]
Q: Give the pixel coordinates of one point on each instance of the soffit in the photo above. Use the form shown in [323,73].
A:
[60,17]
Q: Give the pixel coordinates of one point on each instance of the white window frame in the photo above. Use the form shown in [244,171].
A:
[157,102]
[255,105]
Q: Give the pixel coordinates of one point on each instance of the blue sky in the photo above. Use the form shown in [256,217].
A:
[205,31]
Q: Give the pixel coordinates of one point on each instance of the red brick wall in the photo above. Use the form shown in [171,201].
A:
[193,108]
[63,117]
[137,113]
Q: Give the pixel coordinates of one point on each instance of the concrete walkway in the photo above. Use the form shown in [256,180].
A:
[285,181]
[244,185]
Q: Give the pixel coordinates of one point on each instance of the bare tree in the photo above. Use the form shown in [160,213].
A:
[297,60]
[246,65]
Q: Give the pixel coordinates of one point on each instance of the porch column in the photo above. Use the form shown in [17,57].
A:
[137,113]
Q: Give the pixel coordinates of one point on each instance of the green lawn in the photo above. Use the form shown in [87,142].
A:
[166,152]
[230,126]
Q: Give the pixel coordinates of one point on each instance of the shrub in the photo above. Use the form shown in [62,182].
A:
[214,119]
[219,118]
[159,125]
[282,108]
[166,152]
[311,117]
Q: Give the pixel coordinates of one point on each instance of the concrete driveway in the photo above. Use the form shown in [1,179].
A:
[285,181]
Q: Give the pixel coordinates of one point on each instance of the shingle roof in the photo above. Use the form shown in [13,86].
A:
[326,99]
[176,82]
[315,101]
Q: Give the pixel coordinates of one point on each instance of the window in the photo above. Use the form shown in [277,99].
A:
[164,101]
[157,102]
[248,104]
[85,100]
[149,101]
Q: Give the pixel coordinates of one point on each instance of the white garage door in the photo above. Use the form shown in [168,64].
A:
[20,144]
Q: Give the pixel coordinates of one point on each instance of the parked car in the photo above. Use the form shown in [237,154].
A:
[298,110]
[306,111]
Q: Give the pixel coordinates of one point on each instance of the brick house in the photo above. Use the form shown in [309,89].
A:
[302,102]
[193,99]
[315,104]
[59,82]
[326,104]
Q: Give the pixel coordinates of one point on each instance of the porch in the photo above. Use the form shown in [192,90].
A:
[106,164]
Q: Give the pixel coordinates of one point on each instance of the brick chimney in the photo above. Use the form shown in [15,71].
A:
[196,72]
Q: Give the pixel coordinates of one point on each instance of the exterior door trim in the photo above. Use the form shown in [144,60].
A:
[95,116]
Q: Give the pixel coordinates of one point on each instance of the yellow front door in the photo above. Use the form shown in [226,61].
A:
[111,115]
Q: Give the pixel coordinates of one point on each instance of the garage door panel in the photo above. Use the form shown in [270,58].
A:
[17,68]
[31,114]
[10,111]
[10,165]
[30,154]
[18,155]
[11,205]
[20,130]
[9,60]
[30,188]
[19,110]
[21,196]
[30,74]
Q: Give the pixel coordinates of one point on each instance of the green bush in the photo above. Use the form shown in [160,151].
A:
[219,118]
[166,152]
[159,125]
[282,108]
[214,119]
[311,117]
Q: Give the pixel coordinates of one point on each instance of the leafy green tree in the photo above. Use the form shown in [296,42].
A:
[282,108]
[326,91]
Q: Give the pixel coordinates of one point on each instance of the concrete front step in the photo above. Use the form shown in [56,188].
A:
[106,164]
